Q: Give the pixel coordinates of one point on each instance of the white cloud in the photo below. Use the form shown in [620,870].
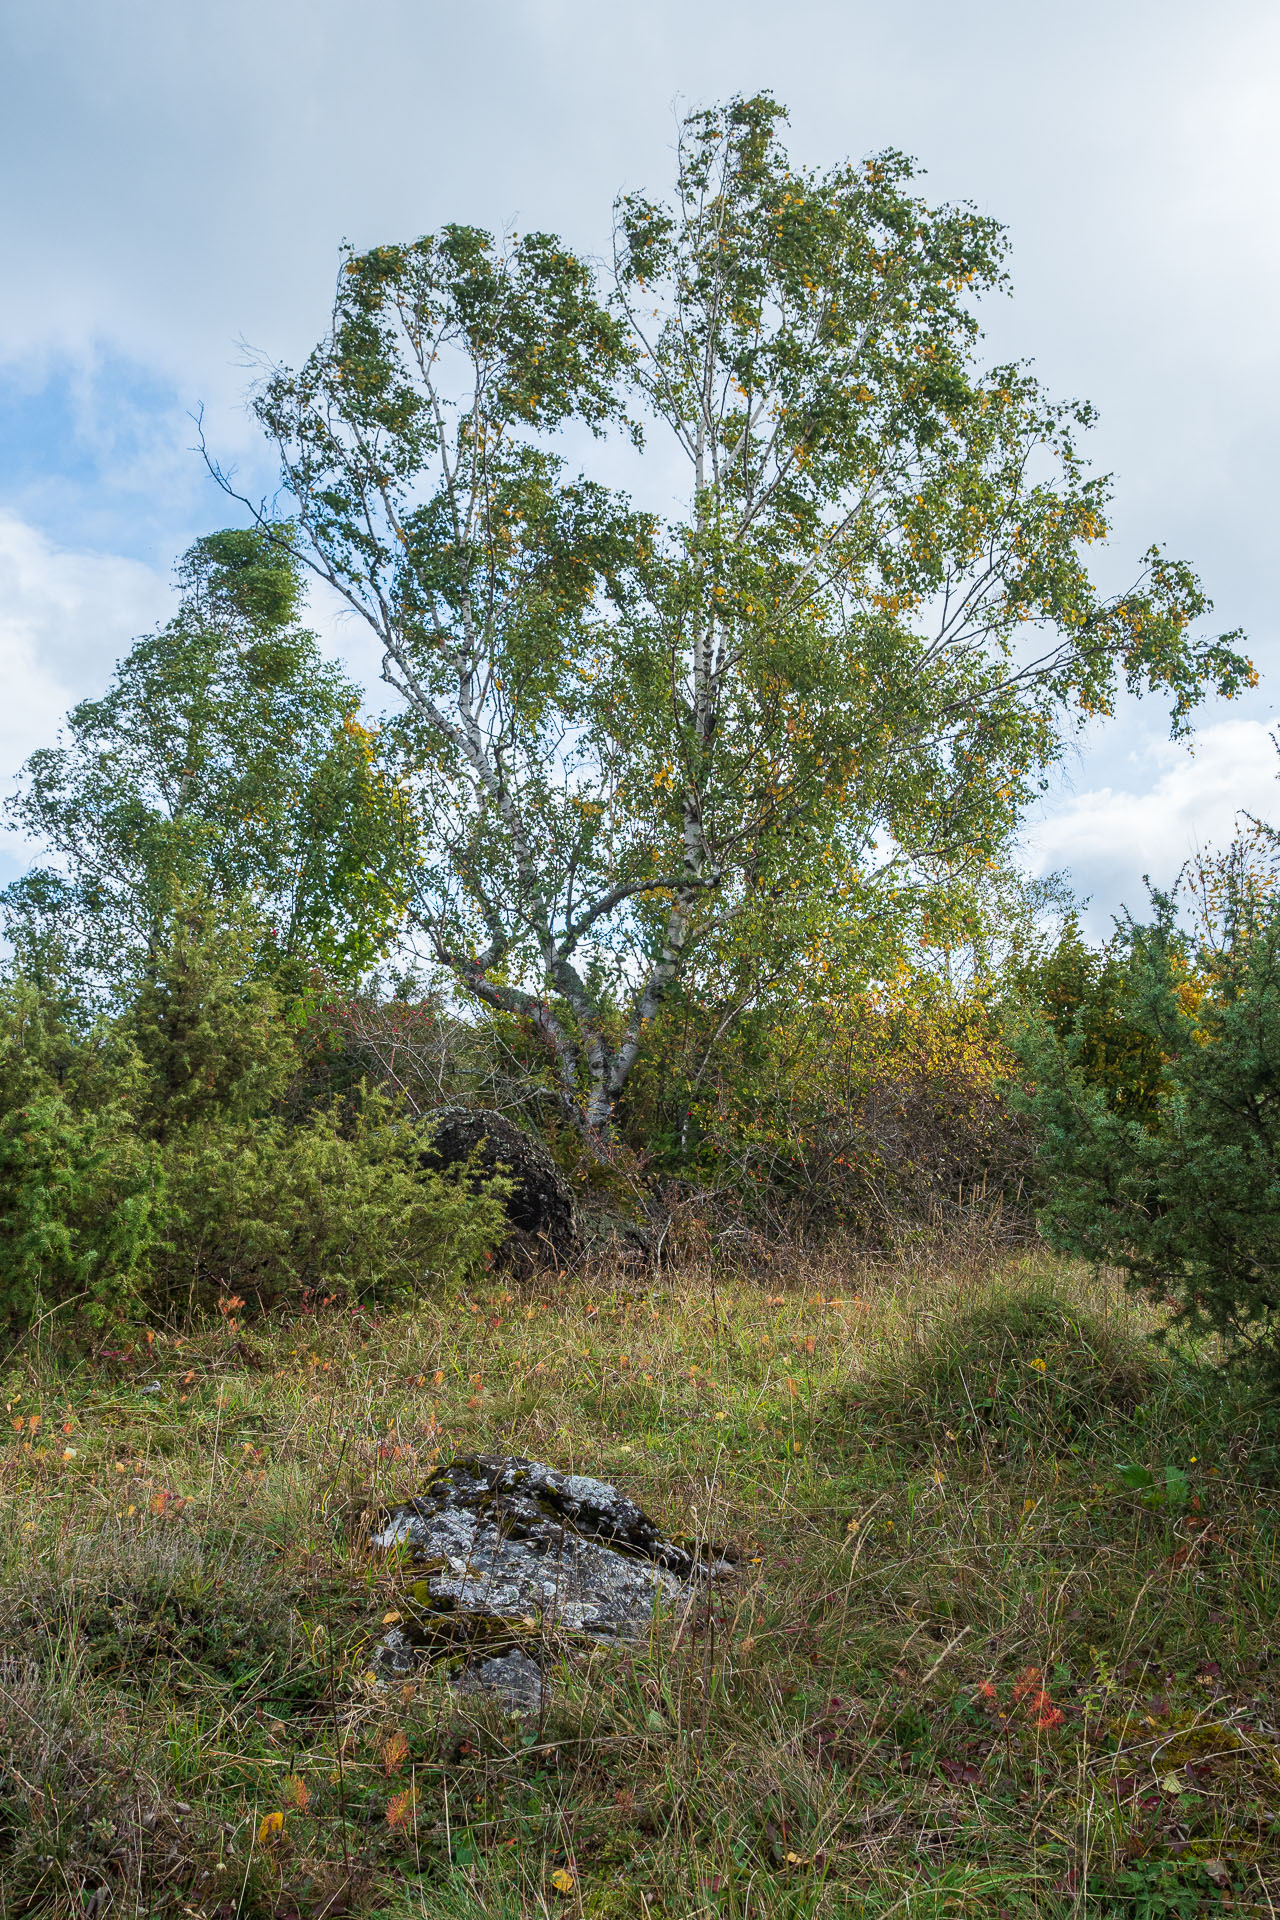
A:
[65,619]
[1107,838]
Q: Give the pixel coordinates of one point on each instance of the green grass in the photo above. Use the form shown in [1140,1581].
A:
[1001,1638]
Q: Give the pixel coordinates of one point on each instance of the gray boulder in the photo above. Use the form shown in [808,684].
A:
[507,1553]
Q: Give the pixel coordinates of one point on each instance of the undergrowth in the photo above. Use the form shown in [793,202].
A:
[1000,1638]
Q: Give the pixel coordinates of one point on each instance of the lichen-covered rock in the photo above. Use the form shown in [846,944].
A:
[540,1204]
[512,1679]
[508,1549]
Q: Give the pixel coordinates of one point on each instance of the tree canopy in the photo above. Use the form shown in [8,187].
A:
[225,767]
[838,670]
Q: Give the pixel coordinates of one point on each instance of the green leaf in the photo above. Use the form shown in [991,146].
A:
[1136,1479]
[1177,1487]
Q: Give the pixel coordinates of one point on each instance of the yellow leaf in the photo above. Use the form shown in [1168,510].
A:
[269,1826]
[562,1880]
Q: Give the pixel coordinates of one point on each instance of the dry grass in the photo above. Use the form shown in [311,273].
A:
[963,1667]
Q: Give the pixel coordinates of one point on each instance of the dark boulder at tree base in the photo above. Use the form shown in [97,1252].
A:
[540,1205]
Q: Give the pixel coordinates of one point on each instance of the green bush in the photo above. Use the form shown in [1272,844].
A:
[152,1163]
[340,1204]
[78,1213]
[1181,1192]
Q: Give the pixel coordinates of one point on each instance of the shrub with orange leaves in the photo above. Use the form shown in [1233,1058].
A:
[856,1109]
[1029,1701]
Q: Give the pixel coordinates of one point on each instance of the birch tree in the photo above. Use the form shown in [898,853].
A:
[849,657]
[224,771]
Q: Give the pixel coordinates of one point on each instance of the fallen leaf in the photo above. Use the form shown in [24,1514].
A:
[963,1772]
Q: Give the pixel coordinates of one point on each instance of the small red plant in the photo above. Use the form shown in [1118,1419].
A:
[1029,1697]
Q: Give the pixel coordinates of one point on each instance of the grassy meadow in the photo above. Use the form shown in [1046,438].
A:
[1001,1638]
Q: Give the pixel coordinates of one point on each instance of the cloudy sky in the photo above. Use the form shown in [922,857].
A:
[177,178]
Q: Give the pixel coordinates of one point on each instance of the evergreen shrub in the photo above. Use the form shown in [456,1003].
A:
[1178,1188]
[154,1162]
